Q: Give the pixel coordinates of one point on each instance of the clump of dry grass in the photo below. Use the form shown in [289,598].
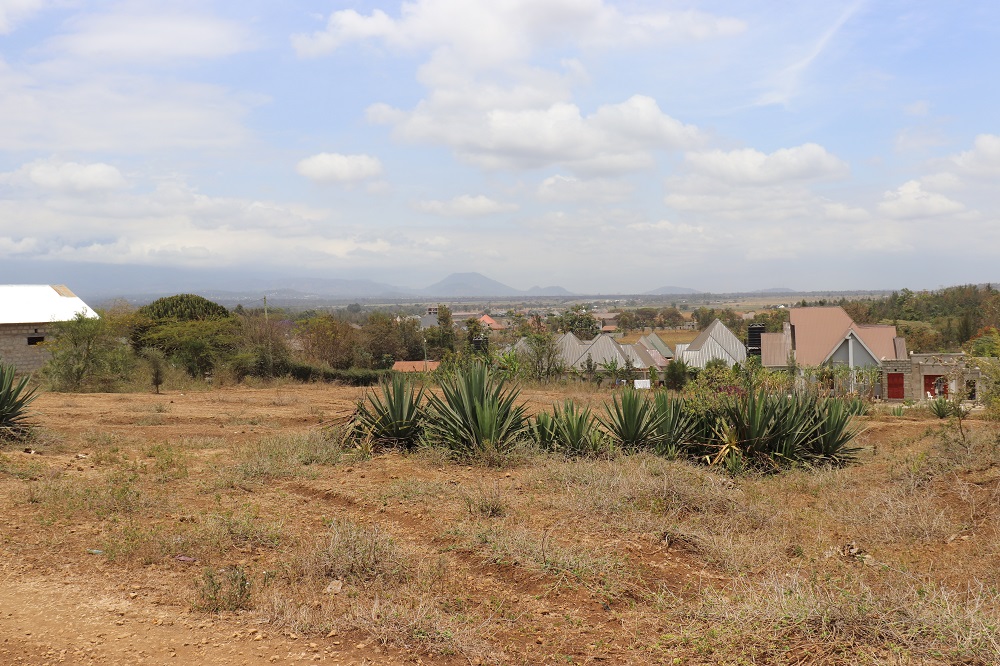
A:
[848,620]
[279,457]
[356,577]
[117,493]
[207,537]
[487,501]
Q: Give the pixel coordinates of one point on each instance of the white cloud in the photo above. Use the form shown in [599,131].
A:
[488,32]
[67,177]
[616,138]
[465,206]
[910,200]
[984,158]
[13,12]
[574,190]
[752,167]
[495,108]
[674,228]
[128,36]
[174,224]
[335,167]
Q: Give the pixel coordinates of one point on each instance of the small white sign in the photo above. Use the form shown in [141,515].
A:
[642,383]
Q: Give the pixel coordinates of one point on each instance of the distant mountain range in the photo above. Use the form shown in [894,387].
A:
[477,285]
[669,291]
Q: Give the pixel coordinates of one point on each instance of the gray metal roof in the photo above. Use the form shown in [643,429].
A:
[653,341]
[40,303]
[715,342]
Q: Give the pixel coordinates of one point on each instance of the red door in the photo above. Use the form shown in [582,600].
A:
[935,385]
[896,390]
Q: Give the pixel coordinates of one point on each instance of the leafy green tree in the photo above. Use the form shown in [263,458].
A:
[541,360]
[382,340]
[197,345]
[89,354]
[328,340]
[985,343]
[183,307]
[676,375]
[579,322]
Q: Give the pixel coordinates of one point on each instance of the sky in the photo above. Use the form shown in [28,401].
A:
[603,146]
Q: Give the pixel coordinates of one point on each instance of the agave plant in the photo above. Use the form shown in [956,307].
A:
[631,420]
[768,430]
[576,431]
[393,415]
[677,427]
[476,414]
[14,400]
[543,431]
[834,434]
[940,407]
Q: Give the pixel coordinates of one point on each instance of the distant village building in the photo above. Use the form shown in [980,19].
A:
[27,312]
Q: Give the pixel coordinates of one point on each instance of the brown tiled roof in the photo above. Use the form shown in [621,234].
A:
[819,331]
[415,366]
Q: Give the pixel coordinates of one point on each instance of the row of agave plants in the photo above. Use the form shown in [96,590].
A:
[477,416]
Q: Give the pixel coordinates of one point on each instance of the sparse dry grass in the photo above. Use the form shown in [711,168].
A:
[634,559]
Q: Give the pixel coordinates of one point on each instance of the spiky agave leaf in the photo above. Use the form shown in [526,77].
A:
[15,397]
[392,415]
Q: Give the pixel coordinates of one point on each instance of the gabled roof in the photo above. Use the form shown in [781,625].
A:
[40,303]
[715,342]
[819,331]
[602,349]
[490,323]
[653,341]
[852,333]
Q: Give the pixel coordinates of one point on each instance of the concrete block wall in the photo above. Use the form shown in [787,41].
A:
[906,368]
[14,347]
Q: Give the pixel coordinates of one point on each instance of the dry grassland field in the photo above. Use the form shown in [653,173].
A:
[230,527]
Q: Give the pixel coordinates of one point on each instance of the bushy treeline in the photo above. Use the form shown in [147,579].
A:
[187,336]
[477,415]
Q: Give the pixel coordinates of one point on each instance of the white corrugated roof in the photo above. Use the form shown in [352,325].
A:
[39,303]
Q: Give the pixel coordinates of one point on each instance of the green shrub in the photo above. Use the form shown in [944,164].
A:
[15,397]
[305,372]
